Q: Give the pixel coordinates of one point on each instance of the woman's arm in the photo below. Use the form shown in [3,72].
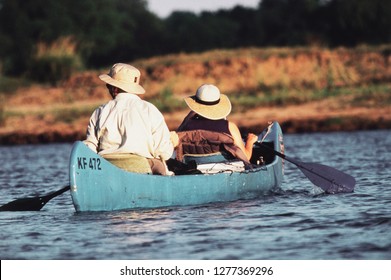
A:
[251,139]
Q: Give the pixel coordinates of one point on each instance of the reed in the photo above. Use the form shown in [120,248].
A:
[56,61]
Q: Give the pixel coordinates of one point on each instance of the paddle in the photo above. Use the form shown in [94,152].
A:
[31,203]
[327,178]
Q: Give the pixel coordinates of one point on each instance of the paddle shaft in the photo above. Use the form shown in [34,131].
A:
[285,157]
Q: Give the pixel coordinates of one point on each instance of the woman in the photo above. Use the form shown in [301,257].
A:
[205,130]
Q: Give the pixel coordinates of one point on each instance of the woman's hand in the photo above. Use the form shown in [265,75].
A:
[174,138]
[251,139]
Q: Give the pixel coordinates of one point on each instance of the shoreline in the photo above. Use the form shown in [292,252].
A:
[327,125]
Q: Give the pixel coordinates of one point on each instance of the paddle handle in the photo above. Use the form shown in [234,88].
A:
[272,150]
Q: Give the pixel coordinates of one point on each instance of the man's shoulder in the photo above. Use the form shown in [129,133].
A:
[151,107]
[100,108]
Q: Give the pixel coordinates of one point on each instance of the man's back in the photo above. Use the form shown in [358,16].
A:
[127,124]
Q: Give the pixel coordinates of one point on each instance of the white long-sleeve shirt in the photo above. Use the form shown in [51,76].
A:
[129,124]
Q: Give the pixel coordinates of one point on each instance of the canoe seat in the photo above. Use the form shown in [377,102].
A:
[215,163]
[129,162]
[206,158]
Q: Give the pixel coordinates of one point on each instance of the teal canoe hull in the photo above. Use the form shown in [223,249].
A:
[97,185]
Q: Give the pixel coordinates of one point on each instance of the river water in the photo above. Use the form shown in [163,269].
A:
[296,223]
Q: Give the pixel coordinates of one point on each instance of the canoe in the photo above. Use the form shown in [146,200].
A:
[98,185]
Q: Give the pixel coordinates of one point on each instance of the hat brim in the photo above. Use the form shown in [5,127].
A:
[128,87]
[213,112]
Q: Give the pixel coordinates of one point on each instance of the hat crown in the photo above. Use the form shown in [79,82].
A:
[125,77]
[209,103]
[125,73]
[208,93]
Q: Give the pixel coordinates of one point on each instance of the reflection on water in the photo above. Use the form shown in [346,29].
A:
[298,222]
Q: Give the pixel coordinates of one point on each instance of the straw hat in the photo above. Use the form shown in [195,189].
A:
[209,103]
[125,77]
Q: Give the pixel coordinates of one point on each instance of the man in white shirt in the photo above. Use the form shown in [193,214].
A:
[129,125]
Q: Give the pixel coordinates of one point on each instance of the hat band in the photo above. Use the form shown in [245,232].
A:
[207,102]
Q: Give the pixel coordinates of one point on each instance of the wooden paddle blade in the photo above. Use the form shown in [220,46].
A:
[24,204]
[325,177]
[31,203]
[329,179]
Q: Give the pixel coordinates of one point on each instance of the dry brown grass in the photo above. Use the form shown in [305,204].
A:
[305,89]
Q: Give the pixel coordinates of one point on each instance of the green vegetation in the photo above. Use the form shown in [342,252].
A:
[55,62]
[376,95]
[166,101]
[102,32]
[369,95]
[56,114]
[9,85]
[379,95]
[2,110]
[70,115]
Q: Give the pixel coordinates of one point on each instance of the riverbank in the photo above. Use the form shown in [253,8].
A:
[306,118]
[304,89]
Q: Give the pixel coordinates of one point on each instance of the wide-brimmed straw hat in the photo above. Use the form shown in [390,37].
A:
[125,77]
[209,103]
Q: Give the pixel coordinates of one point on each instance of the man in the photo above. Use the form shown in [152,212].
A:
[128,125]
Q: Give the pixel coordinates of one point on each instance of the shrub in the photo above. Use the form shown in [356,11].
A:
[8,85]
[55,62]
[167,102]
[2,110]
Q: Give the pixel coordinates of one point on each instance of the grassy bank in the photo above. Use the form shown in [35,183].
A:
[305,89]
